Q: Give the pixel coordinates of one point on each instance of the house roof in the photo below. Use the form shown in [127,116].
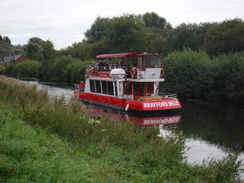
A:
[10,58]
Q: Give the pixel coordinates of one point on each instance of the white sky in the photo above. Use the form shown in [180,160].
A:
[64,21]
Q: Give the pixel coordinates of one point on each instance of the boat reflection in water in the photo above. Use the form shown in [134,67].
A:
[138,118]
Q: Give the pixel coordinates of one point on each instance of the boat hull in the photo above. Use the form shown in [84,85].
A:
[126,104]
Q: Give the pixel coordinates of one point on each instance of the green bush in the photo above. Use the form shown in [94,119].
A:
[188,72]
[66,69]
[195,74]
[229,82]
[56,70]
[28,68]
[74,71]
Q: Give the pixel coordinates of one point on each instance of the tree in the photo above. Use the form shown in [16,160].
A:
[48,50]
[96,32]
[7,40]
[225,37]
[38,49]
[33,49]
[189,35]
[153,20]
[159,31]
[126,34]
[5,47]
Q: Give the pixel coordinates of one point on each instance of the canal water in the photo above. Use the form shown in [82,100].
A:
[212,129]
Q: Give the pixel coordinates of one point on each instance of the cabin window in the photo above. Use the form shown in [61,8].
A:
[139,89]
[142,61]
[115,88]
[128,88]
[98,87]
[92,85]
[149,88]
[143,89]
[155,61]
[132,61]
[110,88]
[104,87]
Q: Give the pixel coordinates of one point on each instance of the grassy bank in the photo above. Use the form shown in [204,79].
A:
[57,142]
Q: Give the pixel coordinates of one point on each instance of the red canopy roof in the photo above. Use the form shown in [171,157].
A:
[123,55]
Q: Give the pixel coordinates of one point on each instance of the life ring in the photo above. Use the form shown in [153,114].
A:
[134,72]
[92,72]
[162,73]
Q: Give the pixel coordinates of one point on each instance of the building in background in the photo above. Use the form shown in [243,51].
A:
[14,59]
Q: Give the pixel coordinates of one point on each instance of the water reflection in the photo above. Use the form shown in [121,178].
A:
[219,124]
[138,118]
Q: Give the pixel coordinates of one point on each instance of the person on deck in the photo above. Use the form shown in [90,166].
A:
[81,86]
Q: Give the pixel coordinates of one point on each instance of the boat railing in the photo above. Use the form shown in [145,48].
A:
[167,95]
[107,67]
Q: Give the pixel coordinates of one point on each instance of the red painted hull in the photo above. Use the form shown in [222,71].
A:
[114,102]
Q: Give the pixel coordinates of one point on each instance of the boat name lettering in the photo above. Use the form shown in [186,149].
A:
[161,121]
[155,104]
[173,103]
[160,104]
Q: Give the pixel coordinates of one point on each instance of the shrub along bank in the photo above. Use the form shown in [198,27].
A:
[33,148]
[62,69]
[195,74]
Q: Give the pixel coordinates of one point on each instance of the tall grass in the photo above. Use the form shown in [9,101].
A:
[128,153]
[70,120]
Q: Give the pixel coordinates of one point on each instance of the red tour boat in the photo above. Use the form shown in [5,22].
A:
[130,82]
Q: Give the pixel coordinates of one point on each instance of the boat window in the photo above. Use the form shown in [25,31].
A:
[145,58]
[139,63]
[98,87]
[128,88]
[132,61]
[139,89]
[155,61]
[104,87]
[149,89]
[92,85]
[142,61]
[115,88]
[110,88]
[143,89]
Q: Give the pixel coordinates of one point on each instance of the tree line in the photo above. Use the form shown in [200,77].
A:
[141,33]
[151,33]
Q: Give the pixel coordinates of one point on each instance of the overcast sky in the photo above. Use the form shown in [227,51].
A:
[64,21]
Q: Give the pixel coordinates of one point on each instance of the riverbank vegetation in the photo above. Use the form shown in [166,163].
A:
[195,75]
[189,73]
[57,141]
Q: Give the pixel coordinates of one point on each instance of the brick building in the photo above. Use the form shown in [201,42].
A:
[14,59]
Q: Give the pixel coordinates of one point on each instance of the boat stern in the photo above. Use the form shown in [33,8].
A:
[165,104]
